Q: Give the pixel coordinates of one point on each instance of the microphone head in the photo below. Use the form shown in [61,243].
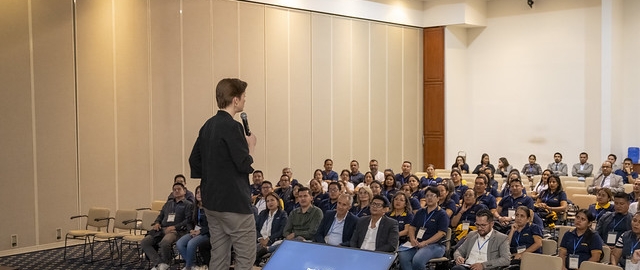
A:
[243,115]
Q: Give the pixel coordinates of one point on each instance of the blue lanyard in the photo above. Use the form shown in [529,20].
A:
[332,205]
[602,210]
[617,223]
[546,198]
[428,218]
[199,214]
[481,246]
[361,209]
[634,248]
[575,246]
[518,239]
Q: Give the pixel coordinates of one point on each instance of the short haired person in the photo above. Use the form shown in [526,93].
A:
[403,177]
[257,177]
[221,157]
[612,224]
[337,226]
[174,221]
[334,190]
[377,174]
[289,172]
[482,196]
[303,221]
[484,248]
[583,169]
[557,167]
[285,191]
[426,233]
[531,168]
[355,177]
[634,195]
[507,207]
[626,245]
[179,178]
[612,158]
[606,180]
[431,179]
[626,172]
[376,232]
[329,174]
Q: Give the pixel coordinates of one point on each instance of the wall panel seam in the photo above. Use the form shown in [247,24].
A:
[115,99]
[33,124]
[150,89]
[182,109]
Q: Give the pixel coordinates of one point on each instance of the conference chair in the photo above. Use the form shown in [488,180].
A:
[561,231]
[444,259]
[534,261]
[606,254]
[587,265]
[97,219]
[144,224]
[119,231]
[549,247]
[567,184]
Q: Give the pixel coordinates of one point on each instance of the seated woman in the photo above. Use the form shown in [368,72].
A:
[376,188]
[580,244]
[361,207]
[603,203]
[317,174]
[542,185]
[531,168]
[188,244]
[269,226]
[484,163]
[368,178]
[347,186]
[401,212]
[445,201]
[415,203]
[552,202]
[627,245]
[464,219]
[525,236]
[426,233]
[389,188]
[416,192]
[459,185]
[503,167]
[317,192]
[460,164]
[506,186]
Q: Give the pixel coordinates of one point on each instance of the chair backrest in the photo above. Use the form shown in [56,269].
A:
[157,205]
[549,247]
[148,217]
[606,254]
[588,180]
[575,190]
[533,261]
[124,215]
[562,230]
[587,265]
[98,213]
[628,188]
[568,178]
[583,200]
[448,243]
[567,184]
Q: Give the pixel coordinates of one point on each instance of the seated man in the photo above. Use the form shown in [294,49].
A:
[376,232]
[174,221]
[403,177]
[431,179]
[337,226]
[627,173]
[335,189]
[582,169]
[288,172]
[329,174]
[355,176]
[483,196]
[285,191]
[484,248]
[612,224]
[257,177]
[188,194]
[606,180]
[506,210]
[557,167]
[303,221]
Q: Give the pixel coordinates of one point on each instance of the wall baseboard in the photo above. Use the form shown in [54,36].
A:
[10,252]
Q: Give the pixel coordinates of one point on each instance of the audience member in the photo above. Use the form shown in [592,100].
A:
[612,159]
[507,206]
[390,186]
[287,171]
[355,176]
[524,235]
[257,177]
[317,192]
[376,188]
[460,164]
[557,167]
[612,224]
[416,192]
[361,208]
[269,226]
[328,174]
[368,178]
[531,168]
[347,186]
[335,189]
[444,200]
[627,173]
[188,244]
[337,226]
[402,178]
[627,245]
[603,203]
[285,192]
[317,174]
[415,203]
[179,178]
[484,248]
[634,195]
[580,244]
[430,179]
[458,187]
[464,219]
[377,175]
[582,169]
[376,232]
[606,180]
[482,196]
[484,163]
[503,167]
[552,202]
[401,211]
[492,184]
[542,185]
[303,221]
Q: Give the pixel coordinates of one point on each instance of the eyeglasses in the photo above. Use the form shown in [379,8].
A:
[482,225]
[376,205]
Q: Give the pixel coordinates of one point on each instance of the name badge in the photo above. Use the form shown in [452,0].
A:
[171,217]
[611,238]
[512,213]
[574,261]
[522,249]
[197,228]
[420,233]
[593,226]
[465,225]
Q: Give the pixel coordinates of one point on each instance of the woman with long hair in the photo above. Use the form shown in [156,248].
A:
[484,163]
[317,174]
[270,224]
[461,164]
[444,200]
[368,178]
[525,236]
[552,202]
[401,211]
[344,181]
[389,187]
[542,185]
[188,244]
[376,188]
[580,244]
[361,208]
[317,192]
[503,167]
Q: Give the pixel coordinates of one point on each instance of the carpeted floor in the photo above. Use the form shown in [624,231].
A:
[52,259]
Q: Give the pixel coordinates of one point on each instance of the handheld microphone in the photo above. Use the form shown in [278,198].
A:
[245,122]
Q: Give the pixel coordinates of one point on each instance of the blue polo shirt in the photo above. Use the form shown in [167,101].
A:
[415,204]
[401,179]
[512,203]
[525,237]
[507,191]
[418,195]
[360,212]
[327,205]
[629,243]
[403,220]
[488,200]
[332,175]
[580,245]
[425,182]
[470,214]
[460,190]
[389,193]
[624,175]
[598,213]
[553,199]
[433,222]
[449,204]
[317,200]
[619,223]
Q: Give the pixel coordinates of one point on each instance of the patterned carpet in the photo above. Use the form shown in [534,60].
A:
[52,259]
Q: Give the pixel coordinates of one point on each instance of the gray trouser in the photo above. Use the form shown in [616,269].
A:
[164,249]
[232,229]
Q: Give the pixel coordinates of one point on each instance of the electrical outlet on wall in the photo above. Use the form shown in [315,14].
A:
[58,234]
[14,240]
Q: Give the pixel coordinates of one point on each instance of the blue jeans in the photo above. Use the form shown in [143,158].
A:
[187,246]
[416,259]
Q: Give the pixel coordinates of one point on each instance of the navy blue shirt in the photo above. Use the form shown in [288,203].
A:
[433,222]
[401,179]
[488,200]
[425,181]
[629,243]
[449,204]
[552,199]
[317,200]
[512,203]
[624,175]
[415,204]
[327,205]
[356,178]
[332,175]
[460,190]
[418,195]
[525,237]
[580,245]
[389,193]
[599,212]
[403,220]
[360,212]
[470,214]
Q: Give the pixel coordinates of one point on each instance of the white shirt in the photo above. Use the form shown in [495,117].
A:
[369,242]
[379,177]
[606,181]
[478,253]
[266,226]
[261,205]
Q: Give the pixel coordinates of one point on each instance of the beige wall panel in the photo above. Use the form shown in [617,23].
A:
[252,70]
[96,113]
[360,93]
[225,39]
[16,161]
[54,85]
[395,129]
[321,93]
[412,136]
[378,96]
[199,95]
[301,103]
[341,100]
[132,103]
[166,92]
[277,137]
